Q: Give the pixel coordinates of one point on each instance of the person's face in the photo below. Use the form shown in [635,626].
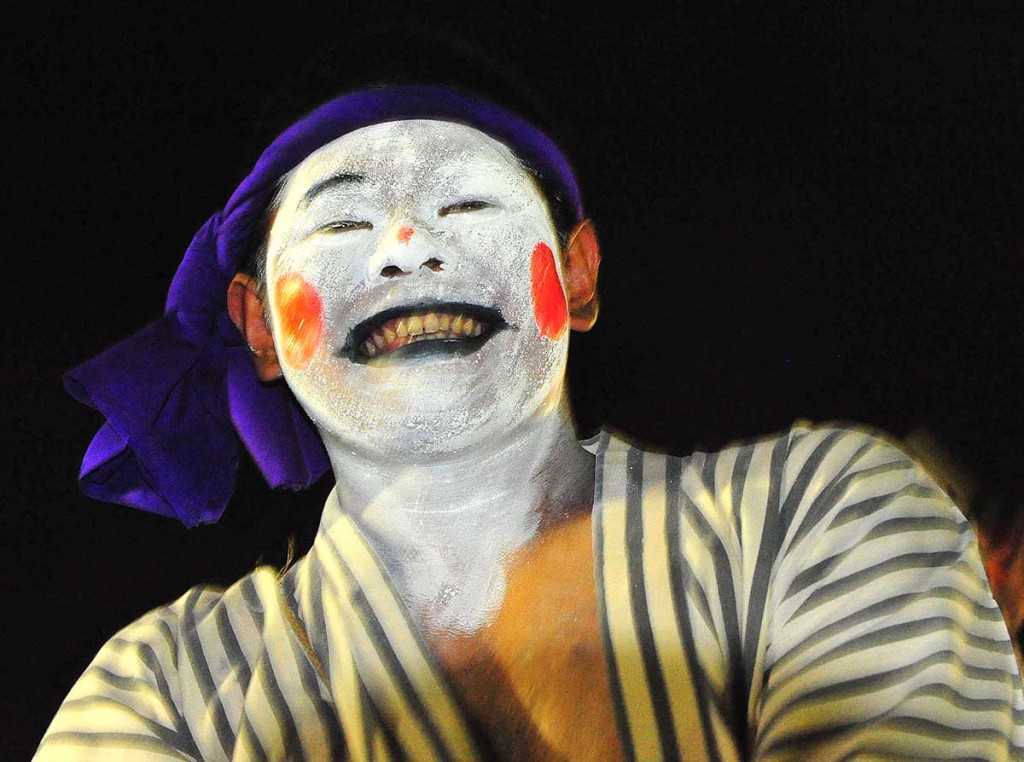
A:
[415,289]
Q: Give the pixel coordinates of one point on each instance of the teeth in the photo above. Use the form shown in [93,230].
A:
[431,325]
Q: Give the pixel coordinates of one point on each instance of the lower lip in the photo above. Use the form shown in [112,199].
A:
[429,349]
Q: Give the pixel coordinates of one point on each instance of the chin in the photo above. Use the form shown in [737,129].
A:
[419,435]
[426,409]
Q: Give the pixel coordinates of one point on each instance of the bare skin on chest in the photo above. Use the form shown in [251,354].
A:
[535,681]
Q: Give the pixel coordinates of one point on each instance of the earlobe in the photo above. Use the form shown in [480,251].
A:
[245,306]
[582,260]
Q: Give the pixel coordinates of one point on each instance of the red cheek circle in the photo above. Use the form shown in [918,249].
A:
[302,319]
[549,308]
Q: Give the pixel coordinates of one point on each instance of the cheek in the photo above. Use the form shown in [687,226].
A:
[549,308]
[302,319]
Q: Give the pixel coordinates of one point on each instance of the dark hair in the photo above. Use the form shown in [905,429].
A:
[389,55]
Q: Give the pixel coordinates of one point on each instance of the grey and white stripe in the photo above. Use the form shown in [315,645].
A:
[809,596]
[830,599]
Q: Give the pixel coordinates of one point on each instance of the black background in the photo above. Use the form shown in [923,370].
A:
[805,212]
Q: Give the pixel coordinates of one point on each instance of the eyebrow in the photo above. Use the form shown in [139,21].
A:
[344,178]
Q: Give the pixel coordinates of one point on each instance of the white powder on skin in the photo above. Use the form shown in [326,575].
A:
[445,461]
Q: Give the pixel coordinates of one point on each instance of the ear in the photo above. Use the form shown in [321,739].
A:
[245,306]
[582,257]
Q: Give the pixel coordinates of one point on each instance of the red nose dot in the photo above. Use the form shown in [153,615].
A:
[404,234]
[549,307]
[302,319]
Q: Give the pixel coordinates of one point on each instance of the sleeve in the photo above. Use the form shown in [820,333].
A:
[127,703]
[879,637]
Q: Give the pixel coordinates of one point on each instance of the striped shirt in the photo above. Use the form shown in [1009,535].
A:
[807,596]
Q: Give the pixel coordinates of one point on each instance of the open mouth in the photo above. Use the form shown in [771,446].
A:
[448,327]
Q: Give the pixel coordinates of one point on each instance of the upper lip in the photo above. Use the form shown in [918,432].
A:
[364,330]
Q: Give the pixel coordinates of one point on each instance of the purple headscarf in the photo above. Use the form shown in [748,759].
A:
[175,393]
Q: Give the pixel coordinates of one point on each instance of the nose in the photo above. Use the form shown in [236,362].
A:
[406,249]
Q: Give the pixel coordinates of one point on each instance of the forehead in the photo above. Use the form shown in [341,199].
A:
[412,152]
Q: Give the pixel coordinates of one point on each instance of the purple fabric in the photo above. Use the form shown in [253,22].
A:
[175,393]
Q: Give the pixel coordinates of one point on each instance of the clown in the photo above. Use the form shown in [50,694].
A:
[413,289]
[483,585]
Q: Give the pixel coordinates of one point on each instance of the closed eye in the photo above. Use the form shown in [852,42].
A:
[472,205]
[343,226]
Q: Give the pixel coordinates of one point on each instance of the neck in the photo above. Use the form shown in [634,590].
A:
[446,529]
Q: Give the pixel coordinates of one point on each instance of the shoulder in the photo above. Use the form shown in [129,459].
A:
[815,477]
[808,453]
[781,487]
[778,489]
[147,684]
[201,612]
[806,449]
[839,484]
[770,508]
[876,612]
[851,498]
[834,590]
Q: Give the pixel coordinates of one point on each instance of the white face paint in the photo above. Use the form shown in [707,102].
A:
[421,221]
